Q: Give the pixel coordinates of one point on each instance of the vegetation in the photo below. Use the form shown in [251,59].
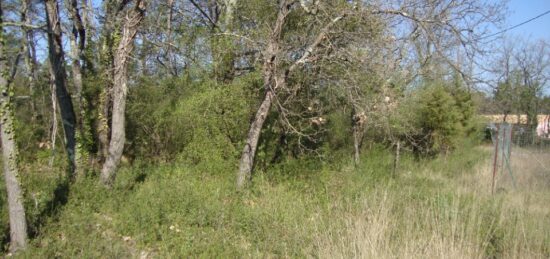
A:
[254,128]
[432,208]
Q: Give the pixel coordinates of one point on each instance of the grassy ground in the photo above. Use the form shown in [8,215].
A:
[435,208]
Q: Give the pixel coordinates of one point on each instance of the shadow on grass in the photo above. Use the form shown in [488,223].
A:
[60,198]
[52,208]
[4,240]
[138,179]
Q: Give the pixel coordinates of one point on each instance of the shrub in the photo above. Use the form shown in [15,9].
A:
[438,119]
[196,121]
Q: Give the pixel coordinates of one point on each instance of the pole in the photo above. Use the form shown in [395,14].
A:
[495,162]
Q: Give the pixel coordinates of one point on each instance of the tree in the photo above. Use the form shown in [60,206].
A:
[18,225]
[29,52]
[436,28]
[533,65]
[78,46]
[59,75]
[120,90]
[520,75]
[275,74]
[439,118]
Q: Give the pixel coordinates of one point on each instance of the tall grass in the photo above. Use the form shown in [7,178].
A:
[431,208]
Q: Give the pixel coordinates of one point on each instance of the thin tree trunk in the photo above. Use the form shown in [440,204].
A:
[16,211]
[249,151]
[223,47]
[171,60]
[120,90]
[358,123]
[396,158]
[53,133]
[57,63]
[356,145]
[269,73]
[30,61]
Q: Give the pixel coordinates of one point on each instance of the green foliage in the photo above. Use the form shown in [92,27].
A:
[199,122]
[466,107]
[167,210]
[445,115]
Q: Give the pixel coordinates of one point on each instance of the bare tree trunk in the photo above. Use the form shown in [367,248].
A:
[396,158]
[29,52]
[358,121]
[223,47]
[169,52]
[229,13]
[120,90]
[53,133]
[249,151]
[57,63]
[16,211]
[269,72]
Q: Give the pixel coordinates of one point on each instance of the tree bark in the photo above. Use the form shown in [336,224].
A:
[56,58]
[120,90]
[357,137]
[102,128]
[223,46]
[78,45]
[249,151]
[106,57]
[30,56]
[396,158]
[274,78]
[358,121]
[53,132]
[16,211]
[269,69]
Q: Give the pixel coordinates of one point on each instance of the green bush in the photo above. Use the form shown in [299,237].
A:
[197,122]
[441,118]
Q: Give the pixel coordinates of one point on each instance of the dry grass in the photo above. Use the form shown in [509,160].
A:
[377,232]
[463,220]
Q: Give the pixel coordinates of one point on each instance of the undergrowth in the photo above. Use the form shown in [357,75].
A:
[301,208]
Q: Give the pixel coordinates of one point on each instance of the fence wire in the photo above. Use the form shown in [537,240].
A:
[521,157]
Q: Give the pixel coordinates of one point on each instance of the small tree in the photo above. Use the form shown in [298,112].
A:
[439,120]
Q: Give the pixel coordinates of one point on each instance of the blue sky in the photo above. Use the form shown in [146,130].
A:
[520,11]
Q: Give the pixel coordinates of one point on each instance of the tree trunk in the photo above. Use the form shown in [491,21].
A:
[57,63]
[172,66]
[358,123]
[356,145]
[223,46]
[396,158]
[106,56]
[78,45]
[53,132]
[16,211]
[102,128]
[120,90]
[30,60]
[249,151]
[270,65]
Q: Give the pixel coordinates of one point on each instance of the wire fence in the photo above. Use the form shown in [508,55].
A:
[521,157]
